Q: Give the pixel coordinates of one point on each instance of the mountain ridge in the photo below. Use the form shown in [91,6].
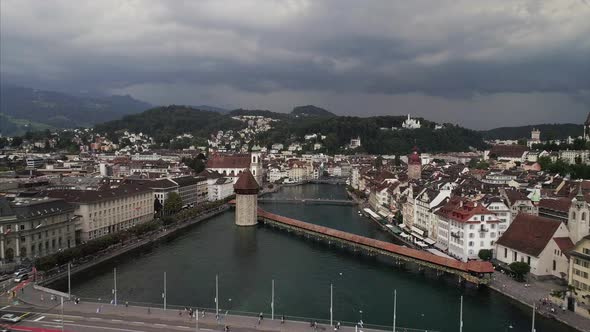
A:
[59,110]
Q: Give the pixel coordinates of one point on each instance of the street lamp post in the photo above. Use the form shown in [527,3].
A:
[197,319]
[164,295]
[461,315]
[394,307]
[216,296]
[115,286]
[69,282]
[62,314]
[272,301]
[331,305]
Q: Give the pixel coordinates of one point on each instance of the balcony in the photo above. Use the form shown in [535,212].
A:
[456,235]
[483,229]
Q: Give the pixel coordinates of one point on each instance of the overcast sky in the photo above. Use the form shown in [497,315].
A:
[481,64]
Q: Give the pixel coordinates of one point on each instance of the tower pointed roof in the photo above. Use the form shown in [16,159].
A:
[587,123]
[246,184]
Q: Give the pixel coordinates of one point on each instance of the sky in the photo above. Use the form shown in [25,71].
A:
[481,64]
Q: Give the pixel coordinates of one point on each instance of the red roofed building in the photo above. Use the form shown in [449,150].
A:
[231,165]
[542,243]
[465,228]
[507,152]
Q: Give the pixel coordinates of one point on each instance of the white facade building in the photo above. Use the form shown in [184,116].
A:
[465,228]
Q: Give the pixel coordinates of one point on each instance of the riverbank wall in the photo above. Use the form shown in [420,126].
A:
[129,247]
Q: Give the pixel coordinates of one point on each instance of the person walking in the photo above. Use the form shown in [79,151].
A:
[283,319]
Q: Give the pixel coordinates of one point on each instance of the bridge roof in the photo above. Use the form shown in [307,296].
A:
[472,266]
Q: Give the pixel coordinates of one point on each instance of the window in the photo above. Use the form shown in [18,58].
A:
[505,252]
[554,265]
[528,260]
[515,256]
[583,216]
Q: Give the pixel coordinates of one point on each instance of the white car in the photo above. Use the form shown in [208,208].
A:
[10,318]
[21,278]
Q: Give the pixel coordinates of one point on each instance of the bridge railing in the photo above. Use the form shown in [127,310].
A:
[225,313]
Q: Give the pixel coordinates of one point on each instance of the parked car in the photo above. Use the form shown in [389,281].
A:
[10,318]
[21,277]
[4,329]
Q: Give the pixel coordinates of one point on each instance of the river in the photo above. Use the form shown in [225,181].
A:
[247,259]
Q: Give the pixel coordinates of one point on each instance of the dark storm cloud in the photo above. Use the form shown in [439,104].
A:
[452,50]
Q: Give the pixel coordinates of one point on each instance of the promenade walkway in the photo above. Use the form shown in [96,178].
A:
[176,316]
[534,293]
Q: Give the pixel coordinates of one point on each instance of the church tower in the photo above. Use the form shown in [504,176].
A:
[579,215]
[246,189]
[256,167]
[414,165]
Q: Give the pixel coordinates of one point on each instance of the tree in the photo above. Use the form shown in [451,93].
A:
[520,270]
[485,254]
[196,164]
[378,162]
[173,203]
[17,141]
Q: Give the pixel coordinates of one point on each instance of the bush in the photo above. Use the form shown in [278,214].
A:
[485,254]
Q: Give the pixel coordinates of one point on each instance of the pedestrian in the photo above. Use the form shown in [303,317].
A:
[41,297]
[282,319]
[261,316]
[126,304]
[97,310]
[203,315]
[338,325]
[22,290]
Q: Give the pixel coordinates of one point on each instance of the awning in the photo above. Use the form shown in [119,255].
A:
[417,236]
[421,244]
[402,225]
[405,235]
[429,241]
[417,231]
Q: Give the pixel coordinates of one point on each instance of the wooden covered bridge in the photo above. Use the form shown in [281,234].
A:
[476,272]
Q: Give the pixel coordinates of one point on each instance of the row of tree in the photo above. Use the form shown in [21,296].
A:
[577,170]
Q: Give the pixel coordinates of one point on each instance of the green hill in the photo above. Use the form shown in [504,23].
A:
[165,123]
[311,110]
[376,134]
[548,131]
